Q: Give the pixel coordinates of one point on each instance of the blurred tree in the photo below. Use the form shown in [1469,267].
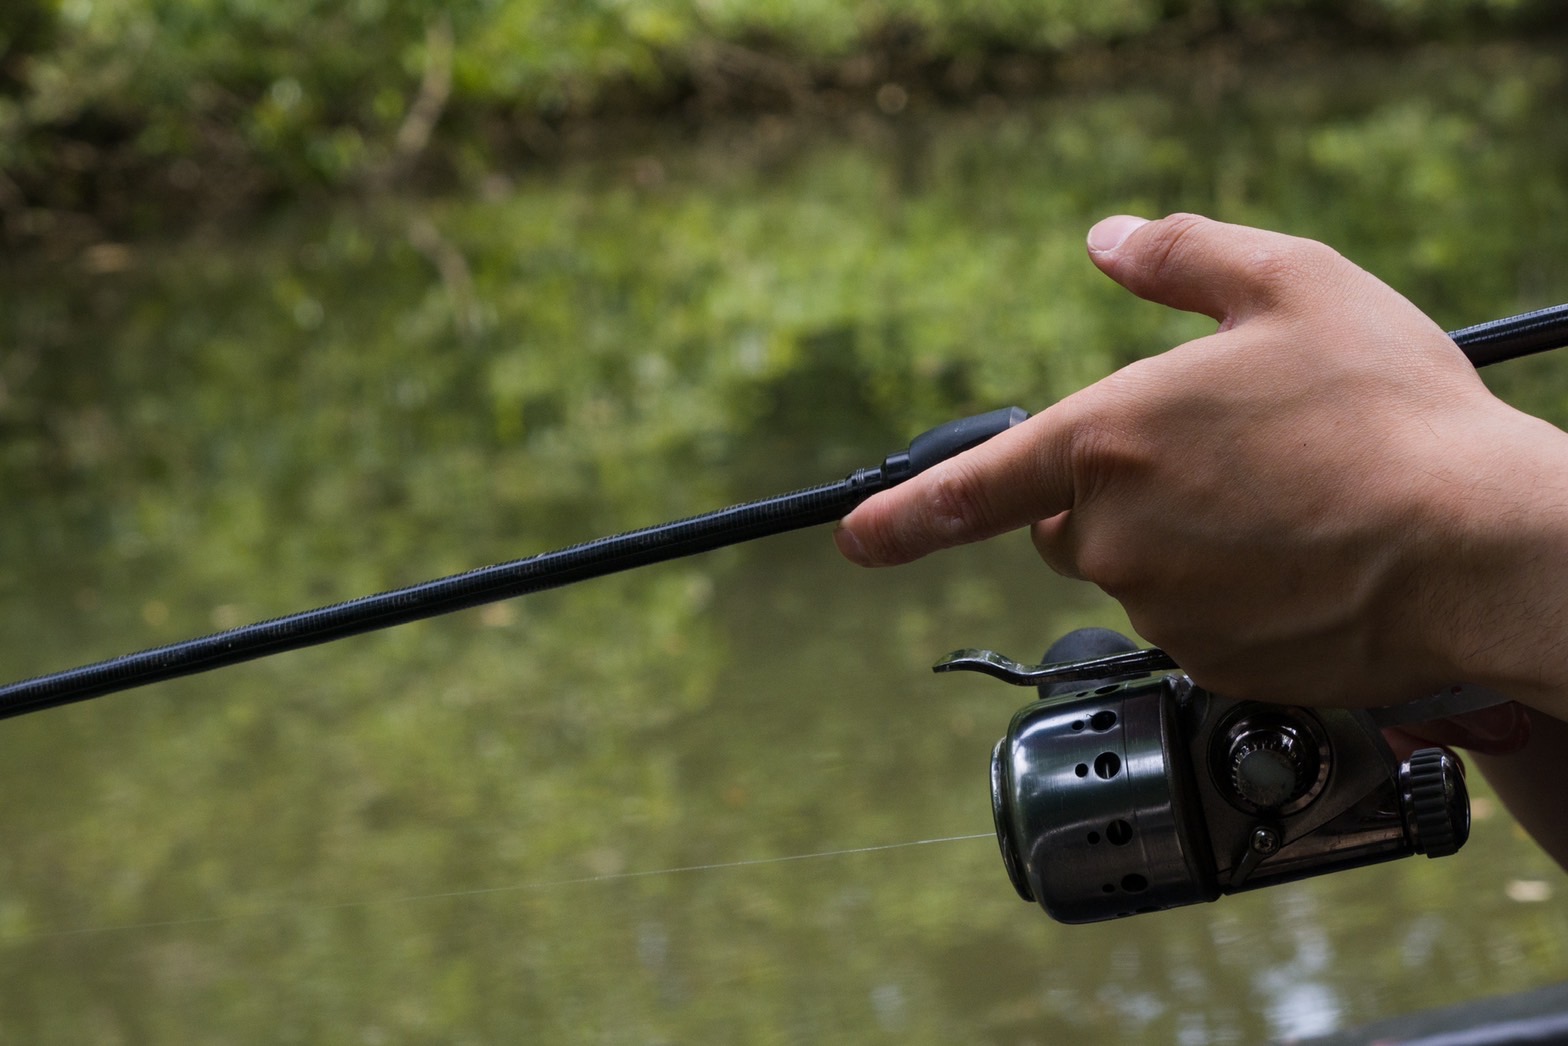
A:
[129,111]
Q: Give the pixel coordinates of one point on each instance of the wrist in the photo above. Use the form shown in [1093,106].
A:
[1498,598]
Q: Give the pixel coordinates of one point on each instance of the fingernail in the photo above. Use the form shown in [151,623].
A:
[849,547]
[1110,233]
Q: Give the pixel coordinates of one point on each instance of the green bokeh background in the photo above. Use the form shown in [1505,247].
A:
[588,815]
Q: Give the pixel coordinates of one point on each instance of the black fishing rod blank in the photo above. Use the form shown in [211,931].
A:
[1514,336]
[727,526]
[1483,344]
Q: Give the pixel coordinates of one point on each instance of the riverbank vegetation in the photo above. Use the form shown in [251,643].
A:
[120,114]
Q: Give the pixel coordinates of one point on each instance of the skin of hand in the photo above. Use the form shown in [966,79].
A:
[1500,730]
[1531,782]
[1320,503]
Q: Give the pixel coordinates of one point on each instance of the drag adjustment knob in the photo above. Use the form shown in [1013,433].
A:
[1436,803]
[1269,766]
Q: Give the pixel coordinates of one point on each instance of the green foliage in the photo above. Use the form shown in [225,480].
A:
[115,107]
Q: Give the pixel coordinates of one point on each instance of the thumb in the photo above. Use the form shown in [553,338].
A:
[1189,262]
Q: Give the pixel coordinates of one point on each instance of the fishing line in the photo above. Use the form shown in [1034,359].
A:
[541,884]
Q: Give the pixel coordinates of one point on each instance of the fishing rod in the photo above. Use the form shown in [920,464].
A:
[1484,344]
[810,506]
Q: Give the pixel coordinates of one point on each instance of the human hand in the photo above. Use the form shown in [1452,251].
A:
[1499,730]
[1320,503]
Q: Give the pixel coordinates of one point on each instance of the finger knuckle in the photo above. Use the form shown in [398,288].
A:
[1291,259]
[1175,236]
[958,504]
[1287,263]
[1112,442]
[1276,263]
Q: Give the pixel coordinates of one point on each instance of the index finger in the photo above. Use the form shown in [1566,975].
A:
[1010,481]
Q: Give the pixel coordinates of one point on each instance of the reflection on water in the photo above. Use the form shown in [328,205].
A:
[1302,999]
[441,832]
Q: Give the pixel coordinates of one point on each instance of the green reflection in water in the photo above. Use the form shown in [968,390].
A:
[380,840]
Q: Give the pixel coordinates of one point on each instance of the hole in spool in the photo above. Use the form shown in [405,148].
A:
[1093,837]
[1134,883]
[1082,769]
[1107,765]
[1119,832]
[1102,721]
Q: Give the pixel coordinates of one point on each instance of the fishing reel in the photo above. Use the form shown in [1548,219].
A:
[1127,788]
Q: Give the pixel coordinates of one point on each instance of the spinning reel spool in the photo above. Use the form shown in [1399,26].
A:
[1126,788]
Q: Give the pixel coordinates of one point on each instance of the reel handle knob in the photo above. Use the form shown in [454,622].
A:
[1435,801]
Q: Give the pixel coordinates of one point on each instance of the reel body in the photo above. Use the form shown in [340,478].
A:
[1151,793]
